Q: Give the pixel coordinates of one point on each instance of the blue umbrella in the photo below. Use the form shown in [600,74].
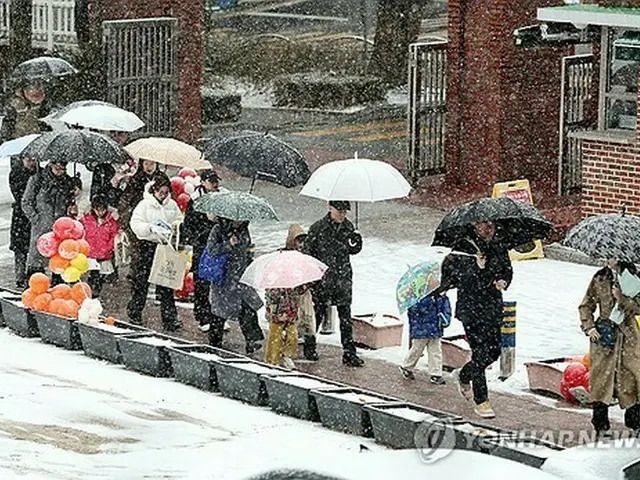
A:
[17,145]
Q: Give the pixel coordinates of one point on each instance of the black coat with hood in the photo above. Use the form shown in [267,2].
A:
[20,225]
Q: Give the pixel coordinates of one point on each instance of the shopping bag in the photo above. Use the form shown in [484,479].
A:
[168,268]
[213,267]
[122,249]
[508,331]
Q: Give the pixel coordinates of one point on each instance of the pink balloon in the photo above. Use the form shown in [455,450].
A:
[187,172]
[48,244]
[63,228]
[78,230]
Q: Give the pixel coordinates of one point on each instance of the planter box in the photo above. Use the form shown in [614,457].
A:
[403,425]
[455,352]
[529,450]
[243,380]
[59,331]
[147,352]
[6,294]
[545,376]
[342,409]
[291,394]
[196,364]
[476,436]
[101,340]
[377,331]
[18,318]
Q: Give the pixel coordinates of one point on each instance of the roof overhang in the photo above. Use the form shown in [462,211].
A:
[585,15]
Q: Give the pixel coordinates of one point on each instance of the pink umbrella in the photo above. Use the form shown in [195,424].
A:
[283,269]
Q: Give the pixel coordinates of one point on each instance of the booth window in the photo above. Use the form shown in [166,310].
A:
[620,89]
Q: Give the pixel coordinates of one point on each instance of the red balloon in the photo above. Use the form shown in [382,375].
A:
[586,382]
[64,228]
[187,172]
[48,244]
[78,230]
[573,374]
[182,201]
[177,185]
[564,390]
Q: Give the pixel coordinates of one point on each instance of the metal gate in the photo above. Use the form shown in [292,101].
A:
[142,75]
[427,107]
[578,112]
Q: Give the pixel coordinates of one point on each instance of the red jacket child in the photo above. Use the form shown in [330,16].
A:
[100,230]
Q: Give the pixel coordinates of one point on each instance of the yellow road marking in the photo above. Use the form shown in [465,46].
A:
[349,129]
[379,136]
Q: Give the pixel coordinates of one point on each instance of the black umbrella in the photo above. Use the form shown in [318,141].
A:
[42,68]
[259,155]
[607,236]
[78,146]
[517,222]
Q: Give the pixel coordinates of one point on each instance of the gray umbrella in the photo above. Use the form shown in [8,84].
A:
[42,68]
[238,206]
[607,236]
[77,146]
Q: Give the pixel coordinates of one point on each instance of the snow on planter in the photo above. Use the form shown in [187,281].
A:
[476,436]
[290,395]
[5,294]
[545,376]
[100,340]
[18,318]
[342,409]
[455,352]
[148,352]
[60,331]
[530,451]
[405,425]
[377,331]
[243,379]
[196,364]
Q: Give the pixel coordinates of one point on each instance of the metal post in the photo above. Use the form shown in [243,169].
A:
[50,25]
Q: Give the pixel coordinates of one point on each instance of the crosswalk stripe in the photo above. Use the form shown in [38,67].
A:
[348,129]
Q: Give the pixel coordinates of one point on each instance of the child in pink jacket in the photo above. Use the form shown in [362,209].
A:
[100,230]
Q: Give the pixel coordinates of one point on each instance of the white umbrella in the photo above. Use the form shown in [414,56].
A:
[103,117]
[17,145]
[357,180]
[53,119]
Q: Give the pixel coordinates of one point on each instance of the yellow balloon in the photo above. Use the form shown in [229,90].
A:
[81,263]
[71,275]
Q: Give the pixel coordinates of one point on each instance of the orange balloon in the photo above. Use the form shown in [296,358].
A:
[586,360]
[84,246]
[41,302]
[27,297]
[68,249]
[39,283]
[70,309]
[109,321]
[62,291]
[56,306]
[57,264]
[80,292]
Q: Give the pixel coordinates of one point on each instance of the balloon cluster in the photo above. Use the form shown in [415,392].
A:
[183,186]
[188,284]
[66,249]
[575,375]
[62,300]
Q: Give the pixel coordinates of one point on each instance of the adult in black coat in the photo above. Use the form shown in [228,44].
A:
[332,240]
[101,184]
[481,271]
[22,168]
[196,228]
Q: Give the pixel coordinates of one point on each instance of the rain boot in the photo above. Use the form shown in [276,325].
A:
[309,348]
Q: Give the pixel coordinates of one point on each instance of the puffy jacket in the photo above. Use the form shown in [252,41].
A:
[429,317]
[100,235]
[150,210]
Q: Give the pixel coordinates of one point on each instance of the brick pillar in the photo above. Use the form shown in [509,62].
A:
[503,101]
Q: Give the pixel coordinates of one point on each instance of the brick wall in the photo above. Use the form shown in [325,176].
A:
[190,15]
[611,177]
[508,97]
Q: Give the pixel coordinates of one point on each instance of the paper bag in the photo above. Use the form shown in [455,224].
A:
[169,267]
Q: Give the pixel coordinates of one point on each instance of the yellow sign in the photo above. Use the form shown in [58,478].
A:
[519,190]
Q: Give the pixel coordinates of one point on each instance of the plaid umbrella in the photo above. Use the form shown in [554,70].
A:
[238,206]
[607,236]
[77,146]
[517,222]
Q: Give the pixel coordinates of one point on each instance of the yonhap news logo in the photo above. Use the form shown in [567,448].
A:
[435,440]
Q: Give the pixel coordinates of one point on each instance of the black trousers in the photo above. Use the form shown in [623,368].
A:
[20,267]
[96,282]
[320,308]
[139,273]
[485,342]
[249,325]
[600,417]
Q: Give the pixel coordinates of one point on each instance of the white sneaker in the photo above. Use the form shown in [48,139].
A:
[464,389]
[204,328]
[484,410]
[226,327]
[286,362]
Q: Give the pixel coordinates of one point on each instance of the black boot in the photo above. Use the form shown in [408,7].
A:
[309,348]
[351,359]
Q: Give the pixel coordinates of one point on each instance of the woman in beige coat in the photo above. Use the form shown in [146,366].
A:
[615,349]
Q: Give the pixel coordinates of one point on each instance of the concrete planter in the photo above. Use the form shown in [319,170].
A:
[147,353]
[455,352]
[530,451]
[6,294]
[377,331]
[18,318]
[342,409]
[291,394]
[243,380]
[101,340]
[476,436]
[59,331]
[195,365]
[545,376]
[406,425]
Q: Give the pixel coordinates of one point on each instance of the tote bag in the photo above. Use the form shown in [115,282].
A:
[213,267]
[169,266]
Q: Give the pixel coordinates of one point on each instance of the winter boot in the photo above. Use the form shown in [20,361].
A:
[309,348]
[437,380]
[463,388]
[407,374]
[286,362]
[350,359]
[484,410]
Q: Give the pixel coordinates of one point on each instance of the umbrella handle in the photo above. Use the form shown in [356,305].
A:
[253,182]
